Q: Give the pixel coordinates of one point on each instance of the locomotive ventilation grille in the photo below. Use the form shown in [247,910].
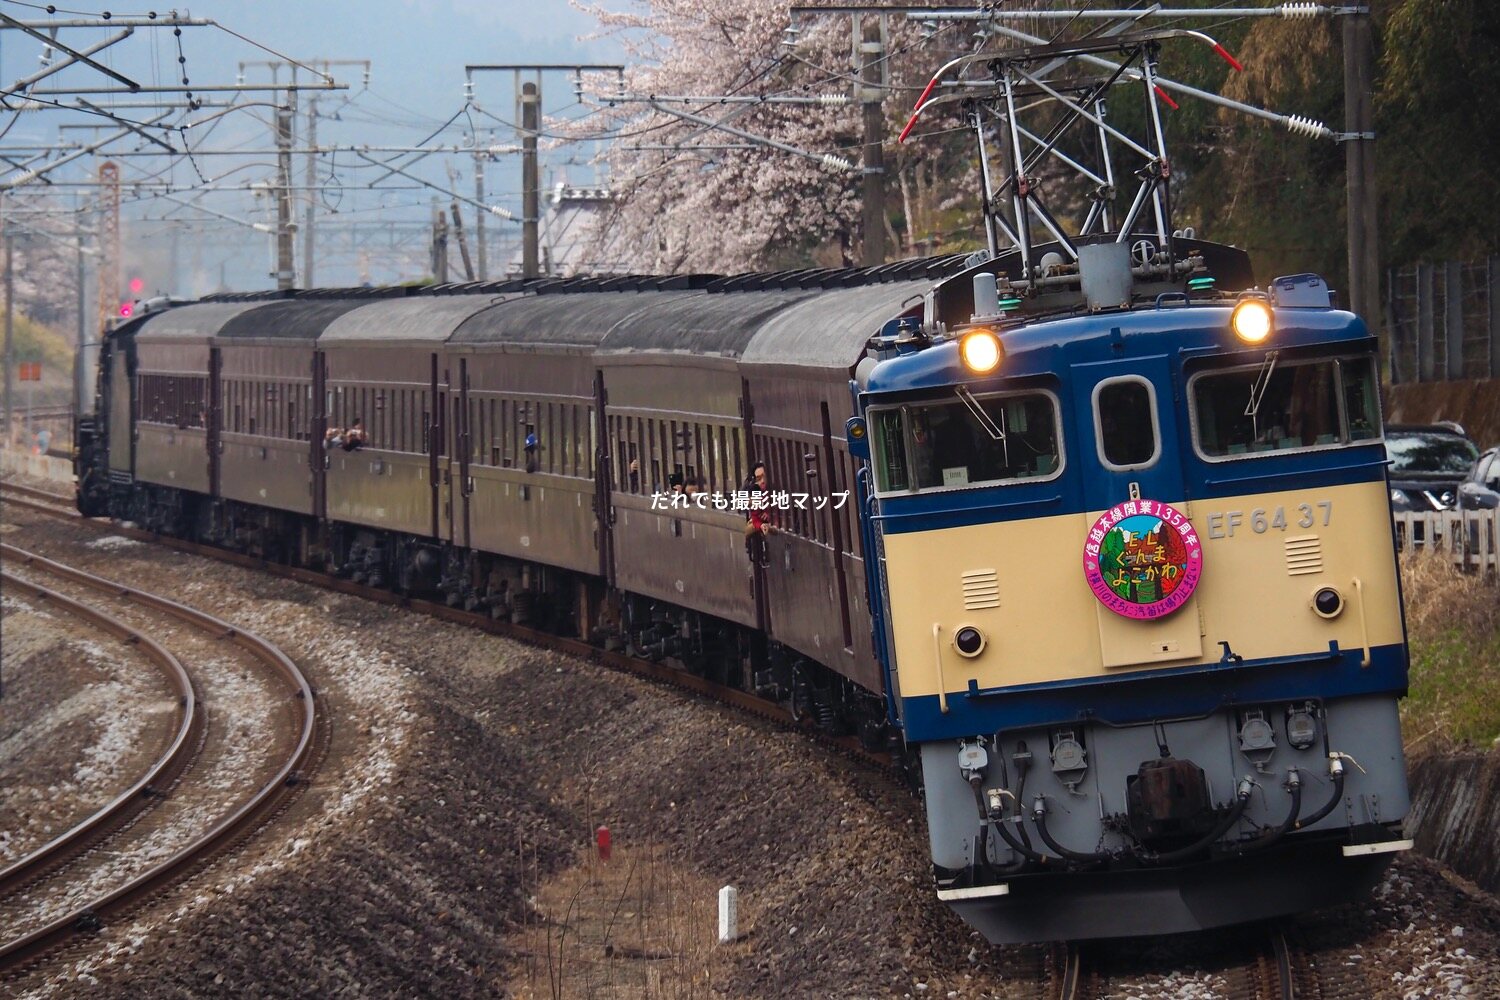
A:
[1304,555]
[981,589]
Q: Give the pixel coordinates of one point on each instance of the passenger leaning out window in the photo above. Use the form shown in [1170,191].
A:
[354,437]
[760,519]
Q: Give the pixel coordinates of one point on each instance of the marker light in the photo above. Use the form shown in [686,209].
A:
[969,641]
[1251,321]
[980,350]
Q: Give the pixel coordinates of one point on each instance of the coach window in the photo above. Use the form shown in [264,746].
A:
[576,433]
[1125,423]
[579,438]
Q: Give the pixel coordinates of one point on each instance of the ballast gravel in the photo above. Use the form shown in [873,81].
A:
[465,770]
[83,717]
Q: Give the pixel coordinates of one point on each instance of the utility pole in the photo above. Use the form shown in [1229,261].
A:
[10,313]
[531,120]
[109,243]
[1359,166]
[529,99]
[286,268]
[174,259]
[439,244]
[870,97]
[463,244]
[312,183]
[484,270]
[286,273]
[80,355]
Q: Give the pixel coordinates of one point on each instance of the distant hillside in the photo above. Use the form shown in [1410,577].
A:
[36,342]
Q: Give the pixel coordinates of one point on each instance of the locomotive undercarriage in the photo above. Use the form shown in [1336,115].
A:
[522,593]
[1251,812]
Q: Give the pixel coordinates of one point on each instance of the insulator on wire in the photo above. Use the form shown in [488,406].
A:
[833,100]
[1299,11]
[837,162]
[1306,126]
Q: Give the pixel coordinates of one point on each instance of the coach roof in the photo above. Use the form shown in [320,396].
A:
[288,319]
[580,319]
[195,322]
[429,320]
[701,323]
[830,330]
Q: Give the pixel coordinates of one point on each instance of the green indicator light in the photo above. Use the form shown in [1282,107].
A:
[1200,283]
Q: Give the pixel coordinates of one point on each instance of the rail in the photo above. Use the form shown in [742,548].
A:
[660,673]
[246,818]
[124,807]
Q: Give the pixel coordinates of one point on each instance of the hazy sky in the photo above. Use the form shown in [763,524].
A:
[418,50]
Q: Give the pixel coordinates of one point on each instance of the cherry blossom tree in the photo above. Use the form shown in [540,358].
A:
[690,198]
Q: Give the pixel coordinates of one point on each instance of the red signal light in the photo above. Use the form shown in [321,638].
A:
[127,308]
[136,284]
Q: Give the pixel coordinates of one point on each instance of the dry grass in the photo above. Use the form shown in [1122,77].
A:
[1453,624]
[634,927]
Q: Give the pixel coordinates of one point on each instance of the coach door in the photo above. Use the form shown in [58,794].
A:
[463,444]
[1136,514]
[122,409]
[214,420]
[758,572]
[434,443]
[604,511]
[317,458]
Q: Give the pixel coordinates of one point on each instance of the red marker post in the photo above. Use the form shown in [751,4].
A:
[601,840]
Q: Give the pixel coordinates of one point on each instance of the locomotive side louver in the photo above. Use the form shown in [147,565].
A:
[981,589]
[1304,555]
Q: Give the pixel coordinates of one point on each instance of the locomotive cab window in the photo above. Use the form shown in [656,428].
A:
[966,440]
[1125,423]
[1282,405]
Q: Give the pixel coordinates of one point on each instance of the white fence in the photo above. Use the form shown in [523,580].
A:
[1471,538]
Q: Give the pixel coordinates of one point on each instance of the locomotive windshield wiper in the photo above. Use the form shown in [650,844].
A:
[968,399]
[1258,387]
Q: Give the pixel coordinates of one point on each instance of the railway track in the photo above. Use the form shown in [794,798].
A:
[161,774]
[1260,964]
[31,498]
[57,505]
[53,870]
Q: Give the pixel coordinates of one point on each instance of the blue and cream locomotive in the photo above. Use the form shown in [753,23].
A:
[1137,603]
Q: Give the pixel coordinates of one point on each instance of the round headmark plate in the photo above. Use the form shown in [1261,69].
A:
[1143,559]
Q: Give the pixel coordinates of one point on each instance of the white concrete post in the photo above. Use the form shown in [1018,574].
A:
[728,914]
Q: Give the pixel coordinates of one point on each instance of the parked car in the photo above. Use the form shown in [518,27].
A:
[1481,490]
[1428,461]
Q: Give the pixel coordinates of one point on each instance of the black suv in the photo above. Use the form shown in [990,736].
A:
[1428,461]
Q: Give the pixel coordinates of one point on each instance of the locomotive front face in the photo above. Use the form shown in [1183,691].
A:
[1141,609]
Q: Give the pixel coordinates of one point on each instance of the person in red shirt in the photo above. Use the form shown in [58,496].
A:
[760,519]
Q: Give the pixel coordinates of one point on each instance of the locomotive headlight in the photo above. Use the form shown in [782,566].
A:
[968,640]
[1251,321]
[980,350]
